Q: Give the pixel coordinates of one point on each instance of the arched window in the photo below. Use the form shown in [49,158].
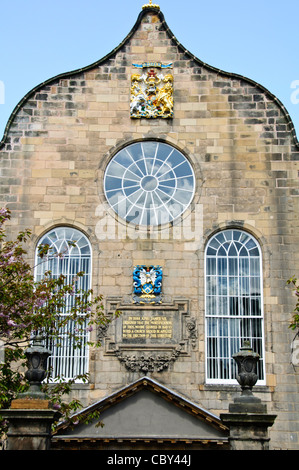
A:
[234,306]
[74,248]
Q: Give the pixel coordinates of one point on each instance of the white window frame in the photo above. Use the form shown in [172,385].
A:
[149,183]
[223,366]
[67,361]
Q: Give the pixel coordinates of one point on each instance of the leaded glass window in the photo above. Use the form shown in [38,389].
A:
[149,183]
[75,256]
[234,306]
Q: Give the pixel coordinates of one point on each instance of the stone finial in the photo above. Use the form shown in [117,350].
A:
[34,398]
[247,419]
[247,377]
[246,360]
[37,356]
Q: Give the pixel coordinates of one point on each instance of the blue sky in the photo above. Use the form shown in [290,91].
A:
[257,39]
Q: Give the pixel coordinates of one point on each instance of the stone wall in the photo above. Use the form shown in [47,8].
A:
[243,149]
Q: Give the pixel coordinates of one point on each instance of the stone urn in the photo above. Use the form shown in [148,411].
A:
[37,356]
[247,361]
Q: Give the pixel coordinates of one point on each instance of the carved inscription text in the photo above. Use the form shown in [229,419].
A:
[137,326]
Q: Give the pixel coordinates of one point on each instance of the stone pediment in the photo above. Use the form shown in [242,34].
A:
[146,411]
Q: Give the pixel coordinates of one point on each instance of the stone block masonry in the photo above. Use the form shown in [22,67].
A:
[245,156]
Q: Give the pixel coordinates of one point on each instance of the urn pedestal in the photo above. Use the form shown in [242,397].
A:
[247,419]
[31,414]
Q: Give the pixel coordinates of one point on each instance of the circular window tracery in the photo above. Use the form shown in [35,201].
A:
[149,183]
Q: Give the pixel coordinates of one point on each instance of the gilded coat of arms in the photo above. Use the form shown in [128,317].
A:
[151,94]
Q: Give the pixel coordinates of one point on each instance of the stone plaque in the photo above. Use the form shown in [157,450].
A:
[149,337]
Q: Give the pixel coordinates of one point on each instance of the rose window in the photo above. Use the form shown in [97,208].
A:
[149,183]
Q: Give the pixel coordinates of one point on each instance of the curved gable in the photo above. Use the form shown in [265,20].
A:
[40,91]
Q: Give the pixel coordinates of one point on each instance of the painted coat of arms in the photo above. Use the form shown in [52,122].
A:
[151,93]
[147,284]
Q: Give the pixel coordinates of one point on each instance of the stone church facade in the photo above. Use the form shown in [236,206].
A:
[181,183]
